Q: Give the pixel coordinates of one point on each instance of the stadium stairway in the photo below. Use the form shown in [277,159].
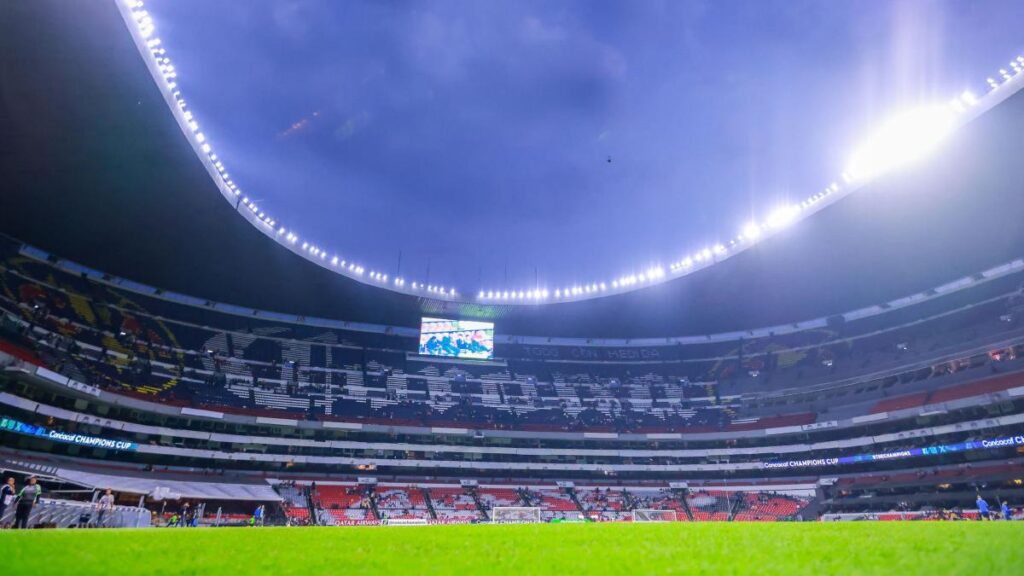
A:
[813,509]
[429,501]
[575,500]
[371,495]
[308,493]
[71,369]
[681,496]
[734,505]
[524,497]
[479,505]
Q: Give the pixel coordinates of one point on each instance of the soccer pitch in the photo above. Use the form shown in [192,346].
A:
[679,548]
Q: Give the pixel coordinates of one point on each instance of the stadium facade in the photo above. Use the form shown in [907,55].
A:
[865,361]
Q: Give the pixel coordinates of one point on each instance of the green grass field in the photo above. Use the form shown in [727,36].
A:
[931,548]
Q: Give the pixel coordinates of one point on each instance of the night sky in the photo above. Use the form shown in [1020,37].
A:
[567,141]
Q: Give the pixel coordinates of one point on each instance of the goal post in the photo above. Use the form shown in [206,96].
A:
[514,515]
[644,515]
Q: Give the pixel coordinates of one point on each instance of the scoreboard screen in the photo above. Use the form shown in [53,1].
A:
[457,338]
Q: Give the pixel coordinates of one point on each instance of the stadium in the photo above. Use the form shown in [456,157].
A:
[836,387]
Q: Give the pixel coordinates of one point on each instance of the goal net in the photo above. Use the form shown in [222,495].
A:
[513,515]
[654,515]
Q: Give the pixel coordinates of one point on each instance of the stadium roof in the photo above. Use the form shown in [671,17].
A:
[96,169]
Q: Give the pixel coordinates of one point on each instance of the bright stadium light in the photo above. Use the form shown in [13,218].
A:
[783,216]
[902,140]
[752,231]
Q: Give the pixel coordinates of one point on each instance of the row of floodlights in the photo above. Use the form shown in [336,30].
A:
[651,275]
[146,28]
[904,139]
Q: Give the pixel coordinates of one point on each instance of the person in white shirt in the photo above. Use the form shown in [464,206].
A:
[8,495]
[104,508]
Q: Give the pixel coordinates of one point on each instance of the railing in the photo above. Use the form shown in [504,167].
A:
[67,513]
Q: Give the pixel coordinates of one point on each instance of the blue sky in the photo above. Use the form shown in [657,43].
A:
[474,137]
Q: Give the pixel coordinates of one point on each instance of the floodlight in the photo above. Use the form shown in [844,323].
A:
[902,140]
[783,216]
[752,231]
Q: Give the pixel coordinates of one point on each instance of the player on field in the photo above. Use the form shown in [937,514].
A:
[982,507]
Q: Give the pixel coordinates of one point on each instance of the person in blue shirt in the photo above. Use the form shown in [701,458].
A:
[257,516]
[1005,509]
[982,507]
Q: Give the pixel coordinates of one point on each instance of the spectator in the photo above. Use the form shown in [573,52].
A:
[7,497]
[104,508]
[27,498]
